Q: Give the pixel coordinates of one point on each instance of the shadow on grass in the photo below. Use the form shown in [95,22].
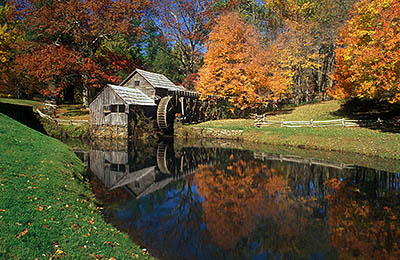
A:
[75,113]
[377,115]
[71,110]
[283,111]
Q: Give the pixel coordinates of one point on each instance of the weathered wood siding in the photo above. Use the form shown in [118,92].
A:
[142,179]
[109,166]
[97,115]
[144,86]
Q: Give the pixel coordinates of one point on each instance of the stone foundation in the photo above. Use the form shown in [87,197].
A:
[108,132]
[215,133]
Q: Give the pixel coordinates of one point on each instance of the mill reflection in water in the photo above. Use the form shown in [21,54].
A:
[218,203]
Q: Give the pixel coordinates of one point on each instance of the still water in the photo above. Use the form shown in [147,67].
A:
[195,202]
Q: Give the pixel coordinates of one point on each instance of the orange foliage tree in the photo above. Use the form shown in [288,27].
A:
[236,65]
[368,55]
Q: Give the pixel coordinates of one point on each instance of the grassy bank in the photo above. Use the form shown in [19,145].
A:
[23,102]
[65,131]
[358,140]
[46,208]
[64,112]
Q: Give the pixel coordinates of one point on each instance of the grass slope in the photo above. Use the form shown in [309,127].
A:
[46,208]
[355,139]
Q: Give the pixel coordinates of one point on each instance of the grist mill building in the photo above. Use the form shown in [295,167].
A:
[112,110]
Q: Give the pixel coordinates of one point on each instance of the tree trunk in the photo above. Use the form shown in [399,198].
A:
[85,96]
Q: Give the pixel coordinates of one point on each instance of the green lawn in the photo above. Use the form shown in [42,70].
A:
[354,139]
[47,209]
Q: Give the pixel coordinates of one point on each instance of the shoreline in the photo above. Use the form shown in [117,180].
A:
[256,142]
[48,209]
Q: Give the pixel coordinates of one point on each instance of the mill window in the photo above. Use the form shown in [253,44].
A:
[117,167]
[114,108]
[106,109]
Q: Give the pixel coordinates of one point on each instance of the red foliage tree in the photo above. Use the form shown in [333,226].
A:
[62,38]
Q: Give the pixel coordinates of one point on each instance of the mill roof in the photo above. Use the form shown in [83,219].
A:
[132,96]
[155,79]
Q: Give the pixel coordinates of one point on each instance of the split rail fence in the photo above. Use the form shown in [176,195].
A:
[260,121]
[61,121]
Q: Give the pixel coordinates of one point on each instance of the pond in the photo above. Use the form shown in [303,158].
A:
[210,202]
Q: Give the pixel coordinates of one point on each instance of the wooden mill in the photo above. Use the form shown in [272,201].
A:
[155,94]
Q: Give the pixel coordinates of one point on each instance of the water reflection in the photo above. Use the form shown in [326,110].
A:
[217,203]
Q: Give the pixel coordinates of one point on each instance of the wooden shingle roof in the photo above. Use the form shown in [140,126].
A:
[155,79]
[132,96]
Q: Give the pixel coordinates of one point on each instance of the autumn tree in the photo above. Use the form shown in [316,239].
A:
[236,65]
[306,33]
[5,41]
[8,35]
[368,53]
[75,44]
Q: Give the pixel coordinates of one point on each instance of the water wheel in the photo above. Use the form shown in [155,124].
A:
[165,159]
[166,114]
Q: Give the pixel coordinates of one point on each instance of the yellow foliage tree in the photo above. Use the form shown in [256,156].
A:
[305,32]
[7,36]
[5,39]
[236,65]
[298,53]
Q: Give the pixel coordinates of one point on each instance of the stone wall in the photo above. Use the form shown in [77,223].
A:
[214,133]
[108,132]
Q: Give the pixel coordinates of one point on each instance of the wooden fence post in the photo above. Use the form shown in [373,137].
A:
[312,122]
[343,123]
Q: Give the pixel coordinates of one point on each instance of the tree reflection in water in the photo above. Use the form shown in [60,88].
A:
[215,203]
[362,223]
[246,199]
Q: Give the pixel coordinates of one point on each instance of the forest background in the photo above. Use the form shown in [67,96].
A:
[258,53]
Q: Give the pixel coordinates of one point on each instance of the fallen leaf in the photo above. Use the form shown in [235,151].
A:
[23,233]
